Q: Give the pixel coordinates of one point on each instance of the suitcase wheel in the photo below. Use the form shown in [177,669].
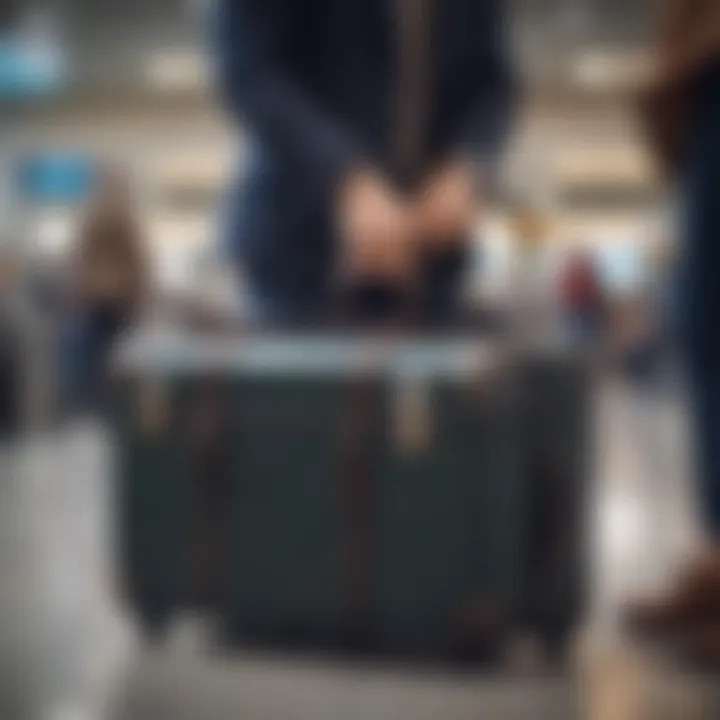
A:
[153,624]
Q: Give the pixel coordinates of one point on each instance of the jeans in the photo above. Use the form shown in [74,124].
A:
[86,343]
[701,340]
[700,299]
[583,328]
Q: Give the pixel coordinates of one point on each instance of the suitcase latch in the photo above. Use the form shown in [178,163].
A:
[153,407]
[413,415]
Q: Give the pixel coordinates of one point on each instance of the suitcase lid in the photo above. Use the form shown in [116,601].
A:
[179,353]
[305,354]
[449,358]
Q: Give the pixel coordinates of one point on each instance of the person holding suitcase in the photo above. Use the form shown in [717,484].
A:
[683,120]
[372,126]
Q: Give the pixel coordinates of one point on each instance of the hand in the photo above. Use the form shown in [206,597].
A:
[445,209]
[375,229]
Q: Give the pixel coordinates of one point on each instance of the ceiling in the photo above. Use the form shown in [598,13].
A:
[552,23]
[584,49]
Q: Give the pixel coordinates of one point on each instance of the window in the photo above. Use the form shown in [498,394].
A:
[55,179]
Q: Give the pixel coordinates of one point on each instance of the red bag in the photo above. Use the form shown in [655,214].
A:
[579,286]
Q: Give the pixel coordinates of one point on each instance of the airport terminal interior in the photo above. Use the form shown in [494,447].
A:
[130,83]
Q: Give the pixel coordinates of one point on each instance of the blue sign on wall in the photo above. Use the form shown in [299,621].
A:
[56,178]
[29,69]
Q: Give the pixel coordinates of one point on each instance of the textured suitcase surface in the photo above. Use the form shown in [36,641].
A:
[285,555]
[305,419]
[421,497]
[450,520]
[557,419]
[345,527]
[171,473]
[154,493]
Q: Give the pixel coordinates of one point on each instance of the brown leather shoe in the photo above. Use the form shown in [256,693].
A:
[693,601]
[700,648]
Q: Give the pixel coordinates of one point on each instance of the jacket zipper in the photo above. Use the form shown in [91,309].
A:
[412,89]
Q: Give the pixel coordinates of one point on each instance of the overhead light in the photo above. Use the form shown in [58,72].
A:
[610,69]
[208,166]
[594,69]
[54,233]
[605,163]
[182,70]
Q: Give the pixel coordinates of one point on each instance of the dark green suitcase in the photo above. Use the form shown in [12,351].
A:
[154,496]
[343,530]
[450,508]
[232,458]
[355,491]
[306,423]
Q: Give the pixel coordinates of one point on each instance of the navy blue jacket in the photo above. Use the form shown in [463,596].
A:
[311,82]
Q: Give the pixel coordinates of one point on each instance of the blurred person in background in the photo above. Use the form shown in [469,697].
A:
[682,110]
[660,296]
[9,281]
[109,286]
[10,342]
[582,298]
[372,128]
[639,338]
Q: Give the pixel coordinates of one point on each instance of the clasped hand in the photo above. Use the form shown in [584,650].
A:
[383,234]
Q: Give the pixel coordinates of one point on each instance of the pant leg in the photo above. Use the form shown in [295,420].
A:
[581,330]
[705,427]
[703,384]
[261,311]
[10,384]
[86,344]
[77,364]
[700,314]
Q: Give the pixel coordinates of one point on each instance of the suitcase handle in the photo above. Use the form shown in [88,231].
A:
[374,302]
[407,304]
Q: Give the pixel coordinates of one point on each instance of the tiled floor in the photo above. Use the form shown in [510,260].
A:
[66,650]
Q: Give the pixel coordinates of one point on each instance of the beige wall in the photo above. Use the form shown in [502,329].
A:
[190,143]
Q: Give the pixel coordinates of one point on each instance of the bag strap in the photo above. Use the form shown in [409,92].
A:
[357,477]
[210,437]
